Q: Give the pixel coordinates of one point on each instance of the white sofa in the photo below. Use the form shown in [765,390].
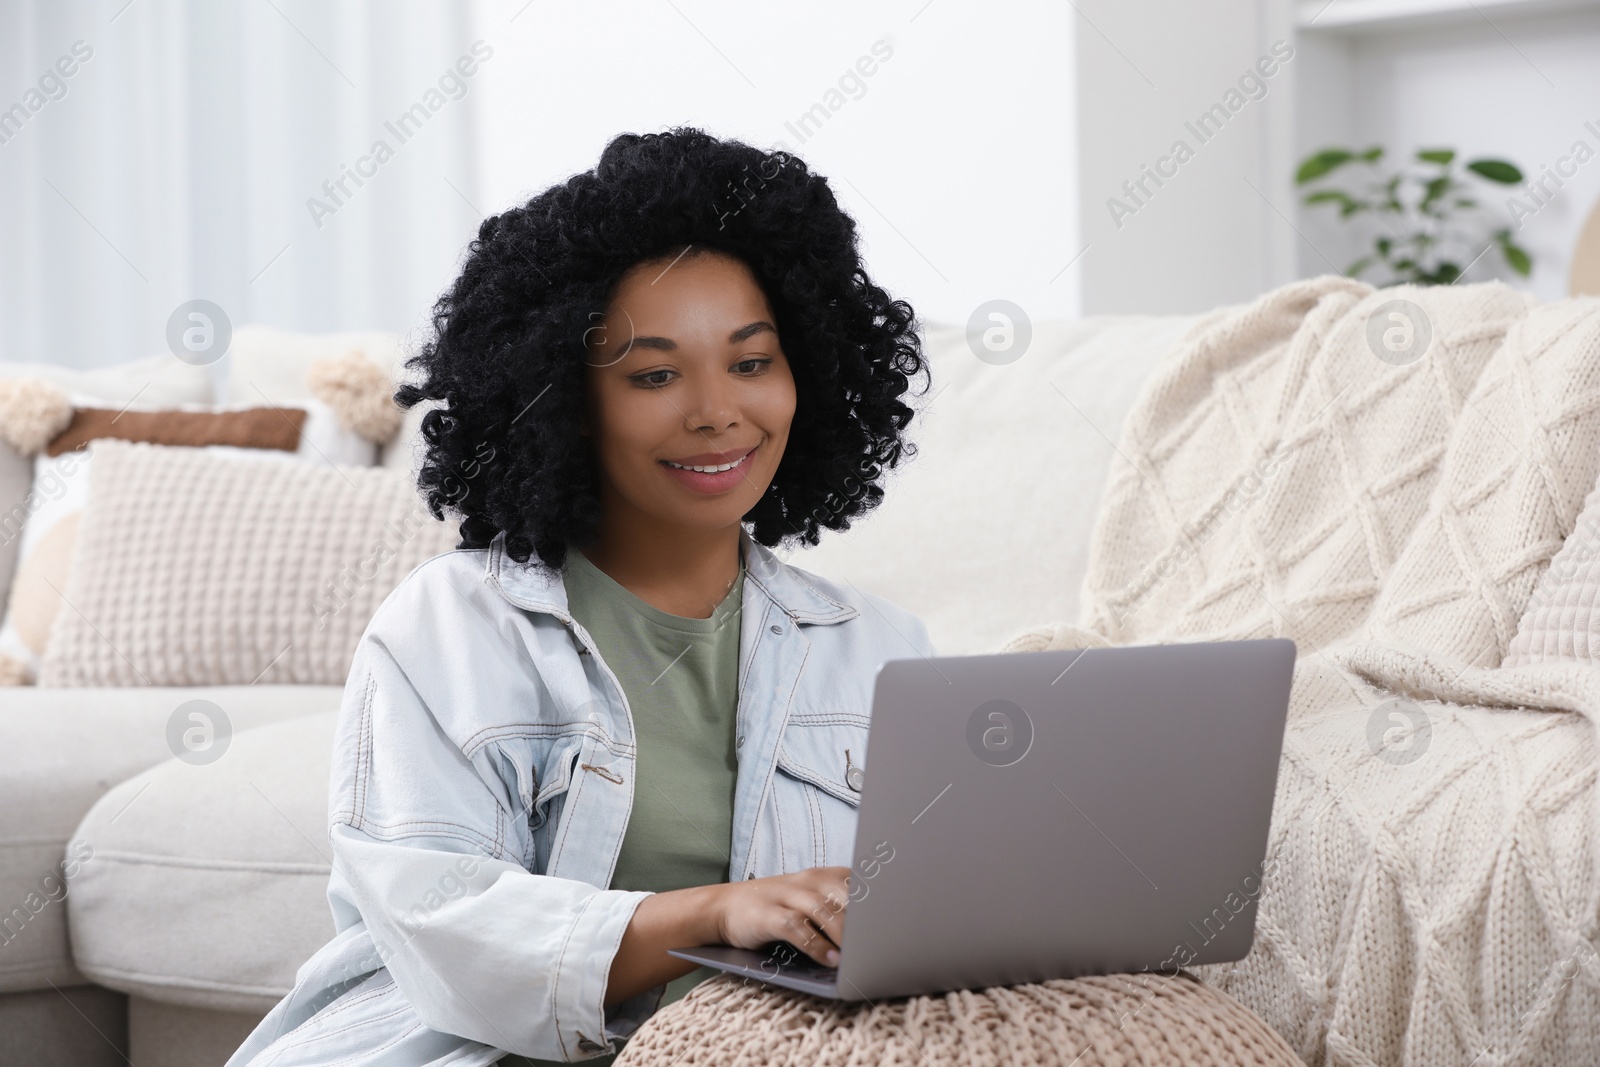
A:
[197,890]
[205,888]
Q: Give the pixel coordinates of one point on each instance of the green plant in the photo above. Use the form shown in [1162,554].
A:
[1426,215]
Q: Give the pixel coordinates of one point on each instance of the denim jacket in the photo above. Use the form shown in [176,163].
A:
[482,779]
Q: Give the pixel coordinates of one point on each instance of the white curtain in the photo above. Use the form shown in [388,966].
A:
[177,159]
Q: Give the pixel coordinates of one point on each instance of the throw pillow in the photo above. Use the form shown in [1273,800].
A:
[199,567]
[272,366]
[42,526]
[155,381]
[1562,619]
[158,381]
[44,558]
[16,480]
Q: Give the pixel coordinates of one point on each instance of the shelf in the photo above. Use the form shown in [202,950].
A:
[1360,17]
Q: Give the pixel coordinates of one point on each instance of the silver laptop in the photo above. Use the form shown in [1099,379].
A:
[1053,814]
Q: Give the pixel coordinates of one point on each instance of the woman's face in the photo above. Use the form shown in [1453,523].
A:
[685,371]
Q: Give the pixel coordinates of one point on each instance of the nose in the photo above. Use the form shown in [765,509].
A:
[712,405]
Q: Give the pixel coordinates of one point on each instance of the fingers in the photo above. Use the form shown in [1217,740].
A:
[805,908]
[816,919]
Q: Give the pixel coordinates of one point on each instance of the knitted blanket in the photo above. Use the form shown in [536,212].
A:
[1386,492]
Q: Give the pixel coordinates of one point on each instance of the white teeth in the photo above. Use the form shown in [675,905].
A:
[707,470]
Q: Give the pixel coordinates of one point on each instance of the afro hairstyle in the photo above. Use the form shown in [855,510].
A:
[504,363]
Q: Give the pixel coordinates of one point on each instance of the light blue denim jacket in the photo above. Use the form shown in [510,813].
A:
[482,780]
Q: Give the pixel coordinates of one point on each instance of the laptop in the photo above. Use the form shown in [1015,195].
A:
[1042,815]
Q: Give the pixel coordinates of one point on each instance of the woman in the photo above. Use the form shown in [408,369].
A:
[612,722]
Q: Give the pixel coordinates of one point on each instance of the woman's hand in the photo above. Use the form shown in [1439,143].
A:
[805,909]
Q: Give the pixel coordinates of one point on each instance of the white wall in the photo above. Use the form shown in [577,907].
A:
[180,160]
[979,159]
[1517,87]
[1215,231]
[955,156]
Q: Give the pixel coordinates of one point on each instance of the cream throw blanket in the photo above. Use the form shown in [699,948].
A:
[1439,897]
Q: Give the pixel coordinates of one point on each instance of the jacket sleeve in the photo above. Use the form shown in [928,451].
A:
[431,849]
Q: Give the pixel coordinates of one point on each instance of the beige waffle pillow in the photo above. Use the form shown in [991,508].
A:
[1562,619]
[195,566]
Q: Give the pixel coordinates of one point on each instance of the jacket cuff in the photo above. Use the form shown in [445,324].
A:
[623,1019]
[583,969]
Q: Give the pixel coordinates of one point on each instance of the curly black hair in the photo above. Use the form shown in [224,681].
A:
[507,351]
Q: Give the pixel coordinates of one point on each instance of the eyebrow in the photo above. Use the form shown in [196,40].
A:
[667,344]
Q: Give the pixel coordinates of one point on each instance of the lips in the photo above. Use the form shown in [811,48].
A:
[710,462]
[710,473]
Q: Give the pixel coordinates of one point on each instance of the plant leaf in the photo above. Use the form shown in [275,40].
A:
[1323,196]
[1519,259]
[1434,190]
[1383,246]
[1315,166]
[1442,156]
[1371,155]
[1496,170]
[1358,266]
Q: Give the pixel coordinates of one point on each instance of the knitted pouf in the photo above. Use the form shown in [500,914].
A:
[1123,1019]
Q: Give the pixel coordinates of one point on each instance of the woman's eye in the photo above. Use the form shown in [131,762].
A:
[655,378]
[753,365]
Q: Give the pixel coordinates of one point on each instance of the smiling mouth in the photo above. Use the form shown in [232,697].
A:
[712,468]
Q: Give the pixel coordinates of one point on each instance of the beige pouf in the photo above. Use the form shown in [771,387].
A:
[1122,1020]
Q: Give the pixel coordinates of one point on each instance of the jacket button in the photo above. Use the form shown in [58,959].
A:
[855,779]
[740,742]
[777,629]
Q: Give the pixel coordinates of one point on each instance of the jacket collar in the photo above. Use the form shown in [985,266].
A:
[532,585]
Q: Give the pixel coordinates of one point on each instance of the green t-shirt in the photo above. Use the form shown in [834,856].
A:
[681,678]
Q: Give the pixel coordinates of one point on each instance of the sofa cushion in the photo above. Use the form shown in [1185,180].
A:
[986,530]
[64,748]
[207,885]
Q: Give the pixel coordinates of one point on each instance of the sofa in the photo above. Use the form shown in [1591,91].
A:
[176,901]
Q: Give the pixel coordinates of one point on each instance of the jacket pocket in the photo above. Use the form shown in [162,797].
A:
[821,768]
[557,766]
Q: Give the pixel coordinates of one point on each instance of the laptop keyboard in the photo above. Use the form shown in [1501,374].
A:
[785,959]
